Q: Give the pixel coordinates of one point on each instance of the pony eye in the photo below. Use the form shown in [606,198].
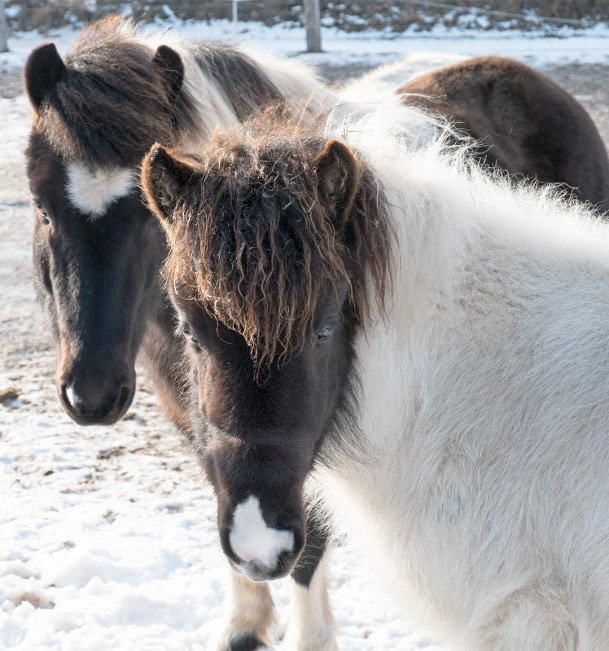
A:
[190,337]
[195,342]
[326,330]
[44,216]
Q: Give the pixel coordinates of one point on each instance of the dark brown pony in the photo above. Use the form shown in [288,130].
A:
[276,243]
[96,251]
[525,123]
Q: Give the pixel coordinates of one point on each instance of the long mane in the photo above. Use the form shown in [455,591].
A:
[257,246]
[111,102]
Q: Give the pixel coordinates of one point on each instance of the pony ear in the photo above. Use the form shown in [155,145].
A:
[338,174]
[164,179]
[43,69]
[169,64]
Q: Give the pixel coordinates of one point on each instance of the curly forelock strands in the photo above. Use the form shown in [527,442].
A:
[257,247]
[111,103]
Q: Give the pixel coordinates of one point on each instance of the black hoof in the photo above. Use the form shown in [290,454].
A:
[246,642]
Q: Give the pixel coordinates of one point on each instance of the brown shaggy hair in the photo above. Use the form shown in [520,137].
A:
[116,96]
[111,102]
[266,223]
[245,85]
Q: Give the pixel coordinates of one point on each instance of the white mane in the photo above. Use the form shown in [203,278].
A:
[297,82]
[438,193]
[485,403]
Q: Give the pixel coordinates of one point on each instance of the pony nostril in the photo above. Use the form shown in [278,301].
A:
[72,399]
[90,403]
[124,397]
[68,396]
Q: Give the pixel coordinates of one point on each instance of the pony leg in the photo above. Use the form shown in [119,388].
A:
[311,626]
[249,618]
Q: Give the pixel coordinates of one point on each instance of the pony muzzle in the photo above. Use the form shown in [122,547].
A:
[96,398]
[258,550]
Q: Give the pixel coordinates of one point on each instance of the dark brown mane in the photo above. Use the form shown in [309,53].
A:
[110,102]
[258,247]
[245,85]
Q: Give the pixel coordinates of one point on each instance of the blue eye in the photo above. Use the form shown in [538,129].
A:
[326,330]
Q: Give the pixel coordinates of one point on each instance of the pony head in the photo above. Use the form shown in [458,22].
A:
[279,249]
[97,248]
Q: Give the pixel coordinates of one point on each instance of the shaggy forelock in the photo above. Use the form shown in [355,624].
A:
[110,104]
[258,248]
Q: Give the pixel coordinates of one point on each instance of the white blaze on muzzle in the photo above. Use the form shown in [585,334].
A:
[93,192]
[252,540]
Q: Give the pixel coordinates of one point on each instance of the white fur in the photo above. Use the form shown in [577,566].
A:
[252,539]
[93,192]
[312,627]
[484,406]
[248,610]
[295,82]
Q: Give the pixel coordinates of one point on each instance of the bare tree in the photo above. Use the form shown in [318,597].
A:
[3,29]
[312,18]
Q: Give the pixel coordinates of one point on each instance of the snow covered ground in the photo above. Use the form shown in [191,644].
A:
[107,535]
[565,45]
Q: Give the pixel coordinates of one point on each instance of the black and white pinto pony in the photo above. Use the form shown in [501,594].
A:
[98,251]
[421,344]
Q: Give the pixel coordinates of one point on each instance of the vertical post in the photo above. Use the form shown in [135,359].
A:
[3,29]
[235,13]
[313,25]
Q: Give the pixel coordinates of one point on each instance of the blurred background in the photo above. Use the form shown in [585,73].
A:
[349,15]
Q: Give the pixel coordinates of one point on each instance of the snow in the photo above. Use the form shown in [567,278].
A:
[117,547]
[108,537]
[562,45]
